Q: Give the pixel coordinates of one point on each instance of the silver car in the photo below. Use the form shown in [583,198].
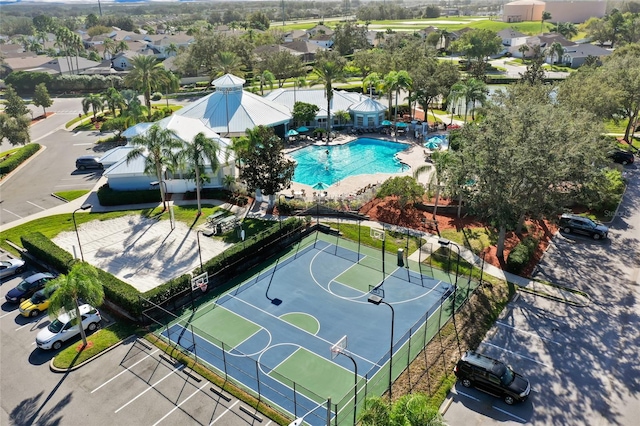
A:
[11,266]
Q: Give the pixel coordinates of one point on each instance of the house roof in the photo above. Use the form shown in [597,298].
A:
[302,46]
[273,48]
[368,105]
[319,29]
[510,33]
[294,34]
[26,61]
[584,50]
[231,111]
[549,38]
[341,100]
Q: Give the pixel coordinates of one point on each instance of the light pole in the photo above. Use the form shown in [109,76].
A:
[447,243]
[73,216]
[376,300]
[199,250]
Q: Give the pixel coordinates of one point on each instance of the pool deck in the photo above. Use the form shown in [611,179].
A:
[414,157]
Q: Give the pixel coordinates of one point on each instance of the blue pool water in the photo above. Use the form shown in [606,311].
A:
[362,156]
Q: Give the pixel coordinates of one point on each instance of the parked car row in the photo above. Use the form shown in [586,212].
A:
[34,297]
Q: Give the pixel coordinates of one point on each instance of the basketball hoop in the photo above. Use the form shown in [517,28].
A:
[200,282]
[339,347]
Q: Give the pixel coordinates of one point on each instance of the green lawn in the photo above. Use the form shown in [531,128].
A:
[97,342]
[71,195]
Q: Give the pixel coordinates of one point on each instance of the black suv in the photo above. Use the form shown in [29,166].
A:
[88,162]
[622,157]
[491,376]
[582,225]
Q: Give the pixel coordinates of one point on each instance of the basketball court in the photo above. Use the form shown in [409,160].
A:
[316,324]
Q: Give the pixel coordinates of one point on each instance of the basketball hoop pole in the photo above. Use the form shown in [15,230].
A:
[355,384]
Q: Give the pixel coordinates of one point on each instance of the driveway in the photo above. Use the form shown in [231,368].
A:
[582,361]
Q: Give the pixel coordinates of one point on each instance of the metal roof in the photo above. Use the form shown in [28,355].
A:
[232,112]
[342,101]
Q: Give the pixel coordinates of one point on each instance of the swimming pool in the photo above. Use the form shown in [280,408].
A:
[330,164]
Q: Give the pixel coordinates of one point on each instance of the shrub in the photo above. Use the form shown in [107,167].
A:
[109,197]
[13,161]
[45,250]
[521,254]
[156,96]
[26,81]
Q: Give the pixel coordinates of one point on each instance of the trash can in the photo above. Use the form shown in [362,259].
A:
[400,257]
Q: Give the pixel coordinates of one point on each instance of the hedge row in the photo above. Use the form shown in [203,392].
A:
[117,291]
[109,197]
[14,160]
[521,254]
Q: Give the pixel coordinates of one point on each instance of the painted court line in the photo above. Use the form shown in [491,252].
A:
[35,205]
[527,332]
[305,331]
[178,406]
[514,353]
[124,371]
[225,412]
[520,419]
[150,387]
[284,360]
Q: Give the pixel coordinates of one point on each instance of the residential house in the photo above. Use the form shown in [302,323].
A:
[576,55]
[511,37]
[306,49]
[295,35]
[320,29]
[323,40]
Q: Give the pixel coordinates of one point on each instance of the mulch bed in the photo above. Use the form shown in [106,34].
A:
[388,211]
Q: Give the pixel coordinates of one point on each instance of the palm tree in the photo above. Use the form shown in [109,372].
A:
[237,146]
[327,71]
[156,146]
[109,47]
[372,81]
[172,48]
[171,84]
[556,49]
[226,63]
[343,116]
[147,75]
[229,181]
[121,46]
[523,49]
[545,17]
[195,153]
[266,77]
[568,30]
[77,45]
[114,100]
[441,160]
[81,283]
[94,102]
[471,90]
[410,410]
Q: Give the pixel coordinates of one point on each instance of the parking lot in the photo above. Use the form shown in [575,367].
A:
[582,362]
[131,384]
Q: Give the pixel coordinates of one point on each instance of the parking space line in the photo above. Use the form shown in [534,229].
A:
[150,387]
[8,313]
[125,370]
[515,353]
[528,332]
[178,406]
[29,323]
[225,412]
[35,205]
[467,395]
[509,414]
[10,212]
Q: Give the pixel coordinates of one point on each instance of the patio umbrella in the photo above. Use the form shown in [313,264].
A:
[386,123]
[292,133]
[302,129]
[402,125]
[321,186]
[431,144]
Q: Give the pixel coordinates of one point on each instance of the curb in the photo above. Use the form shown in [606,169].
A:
[98,355]
[445,406]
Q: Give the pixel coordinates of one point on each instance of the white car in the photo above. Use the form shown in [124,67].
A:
[61,329]
[11,266]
